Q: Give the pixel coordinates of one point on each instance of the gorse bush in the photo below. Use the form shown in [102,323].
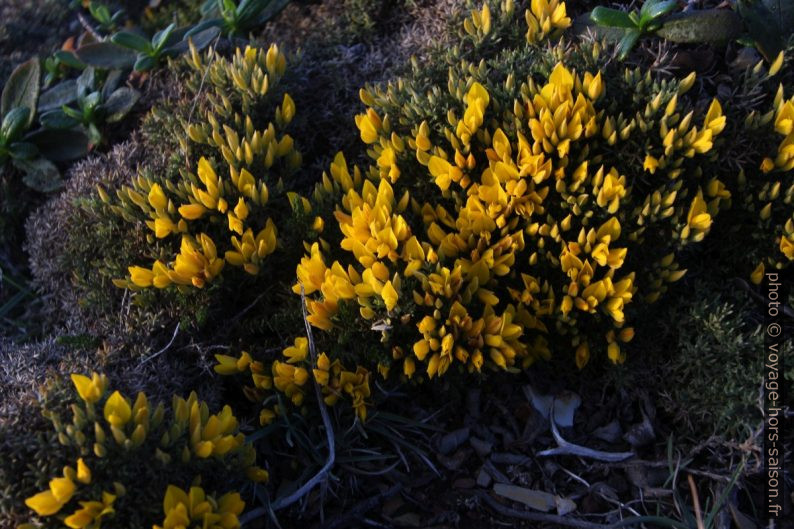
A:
[221,210]
[516,210]
[533,226]
[128,453]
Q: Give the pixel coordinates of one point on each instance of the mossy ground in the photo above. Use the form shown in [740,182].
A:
[692,375]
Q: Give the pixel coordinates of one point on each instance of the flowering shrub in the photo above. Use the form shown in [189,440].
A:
[125,449]
[221,210]
[511,224]
[501,218]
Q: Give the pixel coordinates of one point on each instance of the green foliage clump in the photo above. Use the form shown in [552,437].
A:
[713,335]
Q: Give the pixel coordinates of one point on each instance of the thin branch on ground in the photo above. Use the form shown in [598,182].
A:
[566,448]
[164,349]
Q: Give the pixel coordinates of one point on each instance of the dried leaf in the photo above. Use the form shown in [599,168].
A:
[536,499]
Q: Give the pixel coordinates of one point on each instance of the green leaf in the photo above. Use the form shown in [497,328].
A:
[22,150]
[112,82]
[73,113]
[715,26]
[203,26]
[94,135]
[40,175]
[91,101]
[61,94]
[653,9]
[69,59]
[627,43]
[144,63]
[762,27]
[58,119]
[120,103]
[106,55]
[200,40]
[160,38]
[14,123]
[22,89]
[131,41]
[60,145]
[86,82]
[605,16]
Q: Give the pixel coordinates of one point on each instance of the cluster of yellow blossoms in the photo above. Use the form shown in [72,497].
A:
[545,19]
[532,231]
[292,378]
[221,213]
[62,489]
[771,193]
[138,431]
[195,509]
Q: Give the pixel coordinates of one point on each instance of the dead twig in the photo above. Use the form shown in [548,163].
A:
[696,502]
[89,28]
[164,349]
[566,448]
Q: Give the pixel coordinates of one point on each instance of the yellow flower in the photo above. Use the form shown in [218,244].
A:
[91,512]
[192,211]
[698,218]
[650,164]
[229,365]
[545,18]
[194,508]
[142,277]
[368,124]
[714,119]
[90,389]
[157,198]
[298,352]
[615,354]
[251,251]
[357,386]
[758,274]
[787,247]
[387,162]
[322,372]
[117,410]
[477,100]
[51,501]
[289,379]
[389,295]
[582,355]
[83,472]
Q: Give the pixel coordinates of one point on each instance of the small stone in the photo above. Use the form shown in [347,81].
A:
[483,479]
